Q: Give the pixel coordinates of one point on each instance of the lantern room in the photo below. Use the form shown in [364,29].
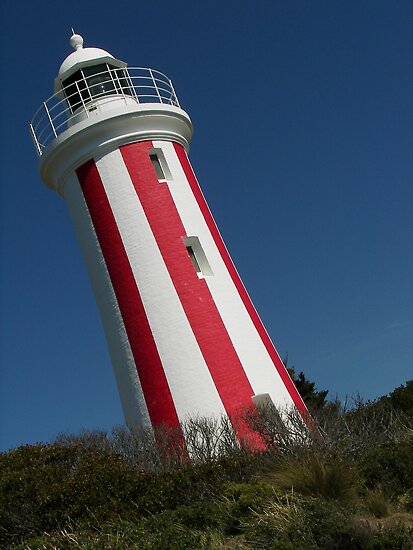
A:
[89,74]
[93,85]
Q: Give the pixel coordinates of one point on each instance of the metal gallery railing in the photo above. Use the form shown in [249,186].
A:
[81,98]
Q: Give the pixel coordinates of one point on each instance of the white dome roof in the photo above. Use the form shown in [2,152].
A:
[83,57]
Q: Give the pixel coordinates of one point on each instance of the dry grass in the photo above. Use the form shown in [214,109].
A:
[377,502]
[317,476]
[234,543]
[402,518]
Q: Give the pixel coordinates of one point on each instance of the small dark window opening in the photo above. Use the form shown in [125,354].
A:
[193,258]
[94,82]
[198,257]
[157,166]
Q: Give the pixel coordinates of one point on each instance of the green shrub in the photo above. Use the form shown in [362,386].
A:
[333,526]
[164,531]
[131,490]
[201,515]
[393,538]
[279,525]
[407,500]
[241,500]
[145,535]
[41,486]
[391,465]
[402,397]
[304,523]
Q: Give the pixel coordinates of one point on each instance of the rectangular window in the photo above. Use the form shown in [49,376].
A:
[263,401]
[193,258]
[198,257]
[160,165]
[157,166]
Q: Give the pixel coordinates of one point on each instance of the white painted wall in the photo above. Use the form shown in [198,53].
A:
[261,371]
[132,398]
[193,390]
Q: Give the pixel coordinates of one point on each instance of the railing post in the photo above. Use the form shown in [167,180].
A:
[175,101]
[49,125]
[131,84]
[35,141]
[81,97]
[50,118]
[156,86]
[119,86]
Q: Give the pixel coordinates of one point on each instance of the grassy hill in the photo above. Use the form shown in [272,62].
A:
[347,483]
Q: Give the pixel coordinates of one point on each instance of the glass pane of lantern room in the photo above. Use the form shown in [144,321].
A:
[122,81]
[74,87]
[99,80]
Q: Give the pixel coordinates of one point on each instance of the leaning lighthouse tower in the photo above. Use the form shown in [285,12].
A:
[183,334]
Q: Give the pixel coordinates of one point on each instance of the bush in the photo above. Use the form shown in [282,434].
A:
[407,500]
[333,527]
[296,523]
[40,486]
[145,535]
[279,525]
[402,397]
[394,538]
[241,500]
[121,490]
[391,465]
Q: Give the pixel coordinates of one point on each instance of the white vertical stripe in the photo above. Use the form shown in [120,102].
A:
[132,398]
[192,388]
[259,368]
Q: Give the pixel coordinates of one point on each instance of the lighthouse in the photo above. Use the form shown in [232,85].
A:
[184,337]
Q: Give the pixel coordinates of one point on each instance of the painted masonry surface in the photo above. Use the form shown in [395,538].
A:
[183,334]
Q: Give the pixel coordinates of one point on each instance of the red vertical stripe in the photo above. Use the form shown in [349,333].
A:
[209,330]
[150,371]
[282,371]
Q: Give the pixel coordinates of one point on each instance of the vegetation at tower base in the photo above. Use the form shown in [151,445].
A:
[348,485]
[314,399]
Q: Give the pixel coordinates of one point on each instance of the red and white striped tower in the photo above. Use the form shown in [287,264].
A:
[183,334]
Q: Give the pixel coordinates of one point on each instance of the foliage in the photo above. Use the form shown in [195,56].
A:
[406,499]
[145,535]
[331,483]
[305,523]
[402,397]
[313,398]
[394,538]
[41,485]
[316,475]
[240,500]
[389,464]
[377,502]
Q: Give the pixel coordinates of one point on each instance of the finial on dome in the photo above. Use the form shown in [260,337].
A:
[76,41]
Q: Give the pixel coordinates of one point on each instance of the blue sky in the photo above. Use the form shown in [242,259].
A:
[303,146]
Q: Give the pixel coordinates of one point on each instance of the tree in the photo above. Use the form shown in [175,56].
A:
[314,399]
